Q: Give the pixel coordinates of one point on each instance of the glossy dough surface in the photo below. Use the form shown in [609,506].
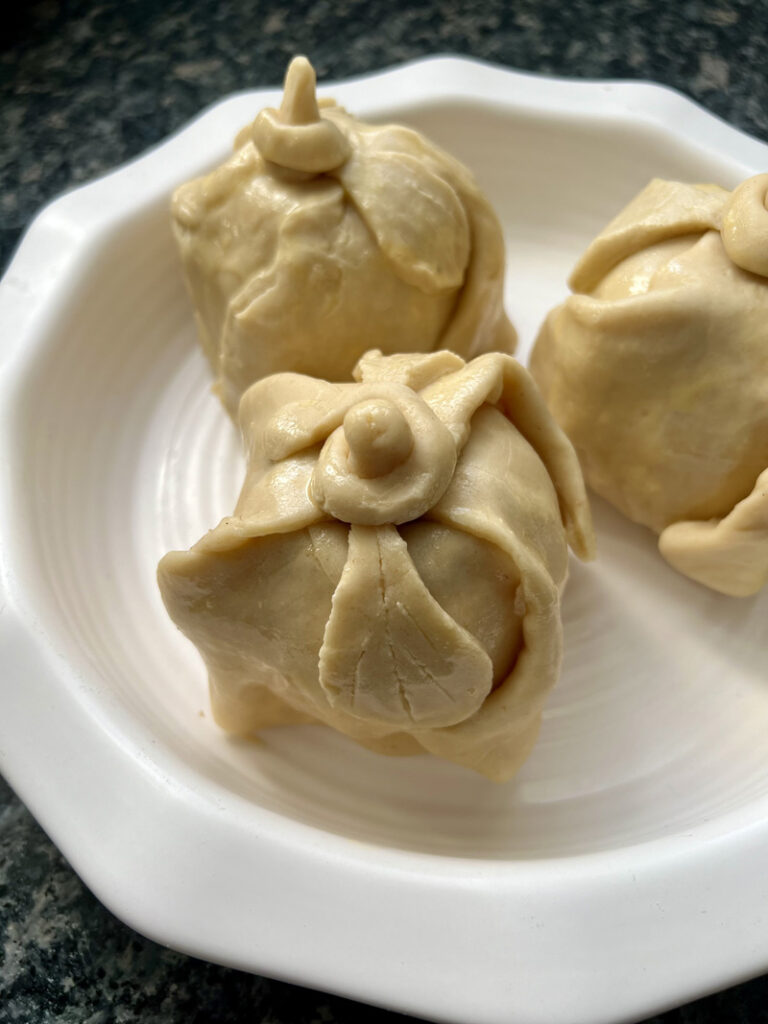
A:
[394,564]
[657,369]
[322,237]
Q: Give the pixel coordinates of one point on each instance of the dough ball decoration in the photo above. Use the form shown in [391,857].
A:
[322,237]
[657,369]
[395,561]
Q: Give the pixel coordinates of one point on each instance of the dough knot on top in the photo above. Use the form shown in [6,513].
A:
[745,225]
[296,136]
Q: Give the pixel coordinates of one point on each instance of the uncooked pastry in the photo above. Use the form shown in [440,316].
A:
[394,564]
[657,369]
[322,237]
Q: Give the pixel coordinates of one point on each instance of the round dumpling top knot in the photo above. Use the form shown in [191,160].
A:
[657,369]
[296,137]
[745,225]
[394,564]
[322,237]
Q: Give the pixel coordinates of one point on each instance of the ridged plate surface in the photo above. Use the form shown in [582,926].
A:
[657,729]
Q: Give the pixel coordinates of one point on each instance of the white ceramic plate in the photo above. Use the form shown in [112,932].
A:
[623,871]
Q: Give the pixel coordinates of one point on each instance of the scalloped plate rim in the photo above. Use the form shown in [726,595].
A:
[523,903]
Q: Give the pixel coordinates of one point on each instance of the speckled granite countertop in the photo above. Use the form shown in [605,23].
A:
[83,87]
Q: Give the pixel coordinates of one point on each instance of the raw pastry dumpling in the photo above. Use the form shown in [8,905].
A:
[657,369]
[322,237]
[395,561]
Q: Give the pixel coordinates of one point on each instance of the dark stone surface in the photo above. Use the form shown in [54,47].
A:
[86,85]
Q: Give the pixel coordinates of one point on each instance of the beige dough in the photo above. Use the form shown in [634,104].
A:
[657,369]
[322,237]
[394,564]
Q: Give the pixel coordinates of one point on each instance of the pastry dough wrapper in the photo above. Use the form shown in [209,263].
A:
[657,369]
[322,237]
[436,629]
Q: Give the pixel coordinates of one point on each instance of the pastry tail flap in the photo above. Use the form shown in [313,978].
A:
[730,554]
[391,654]
[299,105]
